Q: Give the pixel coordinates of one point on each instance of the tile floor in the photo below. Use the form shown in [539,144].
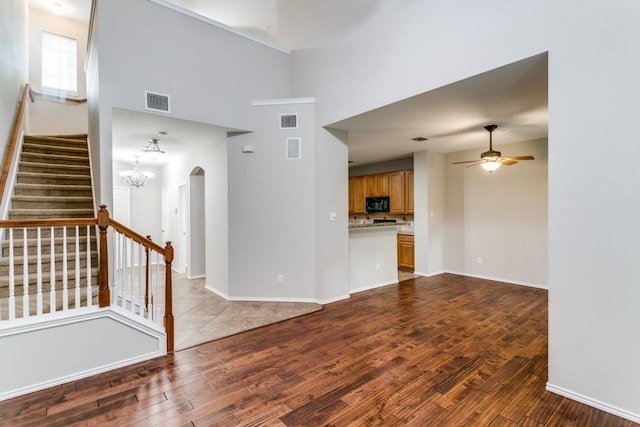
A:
[201,315]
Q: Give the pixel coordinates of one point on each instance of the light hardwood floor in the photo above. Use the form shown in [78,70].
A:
[439,351]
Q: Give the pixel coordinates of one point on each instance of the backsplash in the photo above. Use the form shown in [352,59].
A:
[368,218]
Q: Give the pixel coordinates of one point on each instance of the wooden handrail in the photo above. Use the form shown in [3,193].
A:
[13,139]
[61,222]
[138,238]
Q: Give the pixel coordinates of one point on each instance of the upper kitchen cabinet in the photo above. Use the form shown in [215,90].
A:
[397,192]
[408,185]
[357,194]
[377,185]
[401,192]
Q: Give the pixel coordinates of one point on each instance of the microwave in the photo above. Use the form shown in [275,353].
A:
[377,204]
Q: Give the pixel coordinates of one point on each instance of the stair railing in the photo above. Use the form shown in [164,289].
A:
[13,139]
[64,274]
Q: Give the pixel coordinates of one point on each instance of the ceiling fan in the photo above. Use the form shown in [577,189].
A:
[492,160]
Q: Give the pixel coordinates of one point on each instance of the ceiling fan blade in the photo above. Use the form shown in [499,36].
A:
[508,162]
[475,164]
[520,158]
[466,161]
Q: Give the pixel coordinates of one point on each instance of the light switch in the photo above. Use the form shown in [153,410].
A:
[248,148]
[332,216]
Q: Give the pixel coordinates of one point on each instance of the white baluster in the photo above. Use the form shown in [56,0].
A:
[39,271]
[52,255]
[140,280]
[124,272]
[25,274]
[132,287]
[89,272]
[12,279]
[157,296]
[77,264]
[65,278]
[150,287]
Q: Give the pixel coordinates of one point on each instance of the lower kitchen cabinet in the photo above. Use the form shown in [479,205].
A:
[405,252]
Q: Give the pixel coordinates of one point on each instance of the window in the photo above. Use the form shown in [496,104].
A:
[59,63]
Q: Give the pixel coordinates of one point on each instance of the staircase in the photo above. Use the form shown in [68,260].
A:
[53,181]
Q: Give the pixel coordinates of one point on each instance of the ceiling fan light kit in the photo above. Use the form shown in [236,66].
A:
[491,160]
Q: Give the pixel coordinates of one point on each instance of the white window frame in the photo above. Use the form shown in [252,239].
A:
[64,79]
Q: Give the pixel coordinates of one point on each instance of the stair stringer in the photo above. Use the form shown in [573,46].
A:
[63,347]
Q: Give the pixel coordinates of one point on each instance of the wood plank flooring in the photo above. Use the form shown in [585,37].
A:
[440,351]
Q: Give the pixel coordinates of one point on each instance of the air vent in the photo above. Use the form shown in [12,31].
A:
[294,148]
[288,121]
[157,102]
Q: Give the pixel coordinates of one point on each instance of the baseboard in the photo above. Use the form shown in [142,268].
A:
[377,285]
[276,299]
[594,403]
[217,292]
[437,273]
[499,279]
[197,276]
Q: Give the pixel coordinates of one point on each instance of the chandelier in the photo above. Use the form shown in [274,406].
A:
[136,177]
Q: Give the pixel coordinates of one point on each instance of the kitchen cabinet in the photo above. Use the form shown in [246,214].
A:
[397,192]
[377,185]
[405,252]
[408,184]
[357,195]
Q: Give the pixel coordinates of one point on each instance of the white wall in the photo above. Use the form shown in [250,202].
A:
[272,207]
[46,116]
[14,66]
[209,152]
[429,212]
[500,217]
[197,227]
[402,49]
[210,74]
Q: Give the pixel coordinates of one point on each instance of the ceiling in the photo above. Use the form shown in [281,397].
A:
[452,117]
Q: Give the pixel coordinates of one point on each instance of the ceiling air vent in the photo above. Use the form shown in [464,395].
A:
[288,121]
[156,102]
[293,148]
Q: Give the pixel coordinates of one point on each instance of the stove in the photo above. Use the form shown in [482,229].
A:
[383,221]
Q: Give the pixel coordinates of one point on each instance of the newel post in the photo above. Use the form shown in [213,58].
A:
[168,292]
[104,296]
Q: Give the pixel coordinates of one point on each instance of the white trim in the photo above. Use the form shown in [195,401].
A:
[497,279]
[217,292]
[217,24]
[377,285]
[276,299]
[197,276]
[594,403]
[437,273]
[284,101]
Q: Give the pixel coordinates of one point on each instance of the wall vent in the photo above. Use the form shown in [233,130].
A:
[288,121]
[157,102]
[294,149]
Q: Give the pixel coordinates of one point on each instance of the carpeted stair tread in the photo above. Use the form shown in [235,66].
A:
[52,140]
[50,178]
[53,168]
[54,158]
[51,149]
[50,213]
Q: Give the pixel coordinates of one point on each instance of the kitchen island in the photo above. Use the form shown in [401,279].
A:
[373,256]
